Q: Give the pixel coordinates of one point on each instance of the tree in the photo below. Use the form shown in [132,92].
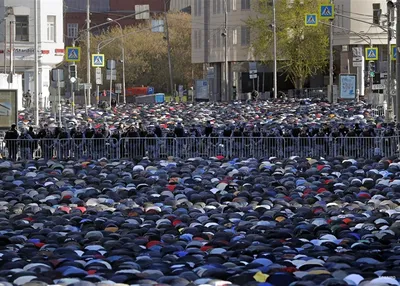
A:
[302,51]
[146,55]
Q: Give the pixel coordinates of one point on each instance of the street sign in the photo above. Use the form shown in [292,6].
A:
[393,51]
[253,76]
[114,75]
[371,54]
[85,86]
[111,64]
[118,88]
[327,11]
[97,60]
[252,67]
[311,20]
[72,79]
[99,76]
[357,61]
[378,86]
[73,54]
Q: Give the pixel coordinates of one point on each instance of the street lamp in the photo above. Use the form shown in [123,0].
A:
[123,56]
[275,52]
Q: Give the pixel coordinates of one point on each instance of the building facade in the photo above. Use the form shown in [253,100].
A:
[361,23]
[17,41]
[100,10]
[354,20]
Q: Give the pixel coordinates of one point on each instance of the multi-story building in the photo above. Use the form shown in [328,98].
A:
[360,23]
[208,22]
[17,41]
[100,10]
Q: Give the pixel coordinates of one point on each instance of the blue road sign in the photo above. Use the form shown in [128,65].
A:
[394,52]
[371,54]
[98,60]
[73,54]
[327,11]
[311,20]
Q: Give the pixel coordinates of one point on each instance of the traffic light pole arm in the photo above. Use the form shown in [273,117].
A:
[109,41]
[363,37]
[106,23]
[362,21]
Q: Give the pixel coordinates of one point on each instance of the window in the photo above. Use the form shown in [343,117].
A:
[214,41]
[376,7]
[199,39]
[234,37]
[215,6]
[22,28]
[218,32]
[245,4]
[51,28]
[72,30]
[196,44]
[228,5]
[199,8]
[218,6]
[245,36]
[234,5]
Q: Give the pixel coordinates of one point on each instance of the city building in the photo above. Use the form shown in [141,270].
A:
[180,5]
[100,10]
[17,42]
[360,23]
[354,23]
[208,38]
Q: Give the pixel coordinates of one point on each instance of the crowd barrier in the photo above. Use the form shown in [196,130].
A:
[161,148]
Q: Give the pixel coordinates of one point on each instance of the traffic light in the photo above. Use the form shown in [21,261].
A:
[372,69]
[72,71]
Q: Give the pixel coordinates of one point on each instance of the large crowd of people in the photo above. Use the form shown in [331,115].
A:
[247,220]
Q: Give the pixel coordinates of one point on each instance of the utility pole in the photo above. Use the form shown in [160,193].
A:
[330,88]
[275,51]
[171,78]
[88,49]
[398,63]
[227,97]
[36,76]
[388,97]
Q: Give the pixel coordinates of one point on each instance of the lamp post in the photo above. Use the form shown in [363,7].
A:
[171,77]
[275,52]
[123,56]
[36,38]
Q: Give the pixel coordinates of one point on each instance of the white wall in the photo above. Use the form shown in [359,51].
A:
[359,10]
[51,53]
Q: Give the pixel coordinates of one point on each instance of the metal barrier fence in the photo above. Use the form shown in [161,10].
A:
[161,148]
[308,93]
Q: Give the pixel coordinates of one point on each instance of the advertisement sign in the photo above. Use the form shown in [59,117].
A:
[8,108]
[347,86]
[202,89]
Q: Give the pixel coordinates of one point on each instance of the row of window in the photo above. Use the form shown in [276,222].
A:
[218,39]
[219,6]
[22,28]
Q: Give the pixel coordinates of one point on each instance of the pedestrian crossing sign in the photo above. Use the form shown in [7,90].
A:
[393,52]
[73,54]
[371,54]
[327,11]
[98,60]
[311,20]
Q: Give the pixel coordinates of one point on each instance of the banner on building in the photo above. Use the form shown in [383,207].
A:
[8,108]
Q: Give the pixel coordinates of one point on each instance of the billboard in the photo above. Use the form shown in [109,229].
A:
[347,86]
[202,89]
[8,108]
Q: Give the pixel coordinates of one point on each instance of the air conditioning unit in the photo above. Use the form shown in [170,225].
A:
[9,11]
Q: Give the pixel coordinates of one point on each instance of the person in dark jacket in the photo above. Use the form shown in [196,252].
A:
[11,142]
